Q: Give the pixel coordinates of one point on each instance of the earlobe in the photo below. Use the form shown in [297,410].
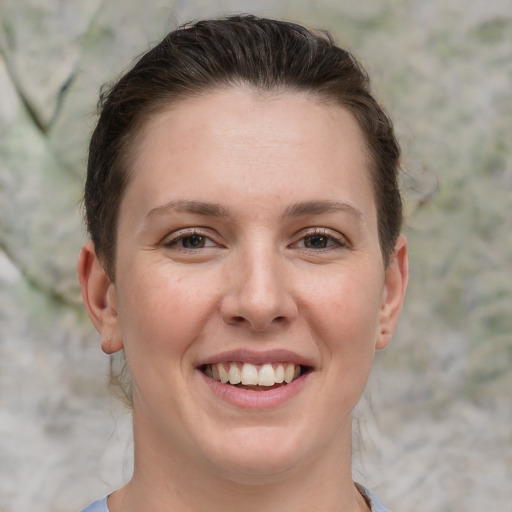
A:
[99,297]
[397,275]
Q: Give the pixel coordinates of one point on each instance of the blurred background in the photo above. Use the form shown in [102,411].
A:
[436,422]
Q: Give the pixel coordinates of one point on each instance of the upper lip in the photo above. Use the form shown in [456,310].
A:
[257,357]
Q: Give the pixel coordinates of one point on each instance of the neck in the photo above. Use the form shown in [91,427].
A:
[167,481]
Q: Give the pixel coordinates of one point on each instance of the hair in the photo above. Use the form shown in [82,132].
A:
[264,54]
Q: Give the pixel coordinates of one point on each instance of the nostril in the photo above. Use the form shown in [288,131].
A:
[238,320]
[241,321]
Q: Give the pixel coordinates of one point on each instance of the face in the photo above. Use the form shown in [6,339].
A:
[250,289]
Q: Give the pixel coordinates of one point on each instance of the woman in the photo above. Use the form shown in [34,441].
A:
[246,255]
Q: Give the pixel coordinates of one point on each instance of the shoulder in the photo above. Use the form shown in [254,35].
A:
[373,501]
[97,506]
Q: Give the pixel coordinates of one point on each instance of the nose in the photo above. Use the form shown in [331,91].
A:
[259,296]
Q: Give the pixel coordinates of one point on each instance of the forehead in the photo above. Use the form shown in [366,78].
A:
[265,145]
[245,107]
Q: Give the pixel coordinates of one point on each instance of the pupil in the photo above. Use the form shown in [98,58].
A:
[316,241]
[193,241]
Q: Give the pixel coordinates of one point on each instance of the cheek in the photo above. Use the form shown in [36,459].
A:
[345,311]
[164,312]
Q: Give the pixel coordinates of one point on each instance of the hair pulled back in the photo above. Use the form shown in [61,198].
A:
[267,55]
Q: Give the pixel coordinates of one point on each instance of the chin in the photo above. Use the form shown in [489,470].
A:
[258,455]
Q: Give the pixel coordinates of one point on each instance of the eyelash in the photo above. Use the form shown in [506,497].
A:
[331,236]
[182,235]
[336,240]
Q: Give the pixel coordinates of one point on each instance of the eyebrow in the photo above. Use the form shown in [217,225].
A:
[321,206]
[187,206]
[216,210]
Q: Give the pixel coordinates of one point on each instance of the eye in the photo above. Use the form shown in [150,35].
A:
[317,241]
[193,241]
[321,239]
[190,241]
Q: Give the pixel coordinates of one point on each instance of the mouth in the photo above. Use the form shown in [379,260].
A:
[255,377]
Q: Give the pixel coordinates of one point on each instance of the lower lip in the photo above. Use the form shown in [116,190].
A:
[248,399]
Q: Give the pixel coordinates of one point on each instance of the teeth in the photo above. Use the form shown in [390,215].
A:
[234,374]
[279,375]
[266,375]
[250,375]
[289,372]
[223,374]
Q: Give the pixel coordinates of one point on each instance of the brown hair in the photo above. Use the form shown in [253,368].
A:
[265,54]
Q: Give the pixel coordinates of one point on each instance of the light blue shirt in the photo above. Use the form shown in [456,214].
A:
[375,504]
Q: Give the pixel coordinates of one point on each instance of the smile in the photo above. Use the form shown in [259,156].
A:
[247,374]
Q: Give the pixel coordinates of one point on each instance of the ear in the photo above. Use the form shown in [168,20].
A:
[396,277]
[99,296]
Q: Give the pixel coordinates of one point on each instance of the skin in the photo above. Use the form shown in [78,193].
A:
[283,172]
